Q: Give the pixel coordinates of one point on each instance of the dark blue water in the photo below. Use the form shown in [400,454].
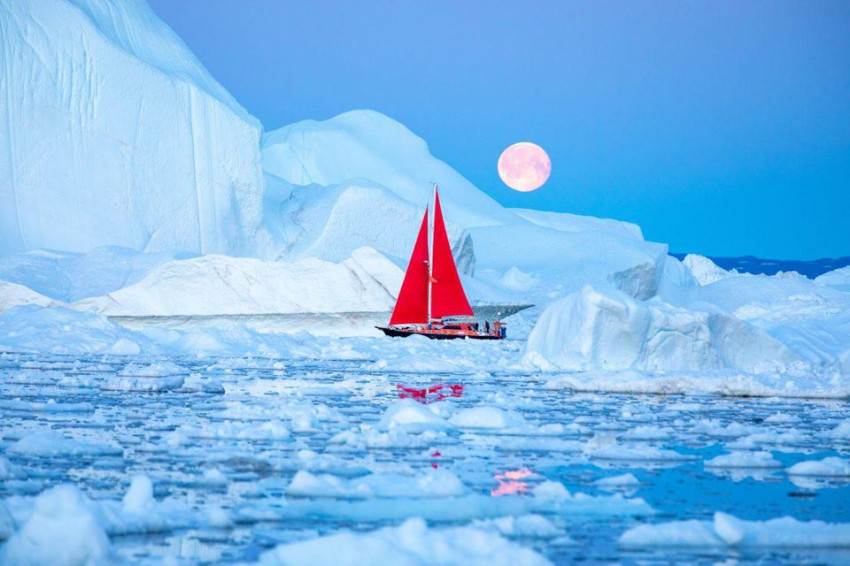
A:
[759,266]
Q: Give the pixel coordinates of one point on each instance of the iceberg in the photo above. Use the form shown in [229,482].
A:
[609,330]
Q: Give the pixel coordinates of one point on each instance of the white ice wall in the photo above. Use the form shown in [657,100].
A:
[112,133]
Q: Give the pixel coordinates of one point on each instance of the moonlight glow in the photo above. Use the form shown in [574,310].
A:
[524,166]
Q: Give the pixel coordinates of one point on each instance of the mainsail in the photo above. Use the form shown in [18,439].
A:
[431,289]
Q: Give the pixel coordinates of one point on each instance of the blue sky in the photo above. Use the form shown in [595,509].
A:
[720,127]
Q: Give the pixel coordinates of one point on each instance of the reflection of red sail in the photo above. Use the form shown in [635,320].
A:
[412,304]
[447,296]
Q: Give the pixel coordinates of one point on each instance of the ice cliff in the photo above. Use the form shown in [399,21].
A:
[112,133]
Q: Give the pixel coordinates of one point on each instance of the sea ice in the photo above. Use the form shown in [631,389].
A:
[413,542]
[743,460]
[62,530]
[828,467]
[726,530]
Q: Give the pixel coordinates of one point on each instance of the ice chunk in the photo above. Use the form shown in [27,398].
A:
[743,460]
[828,467]
[432,483]
[615,482]
[413,542]
[726,530]
[49,443]
[139,497]
[487,417]
[729,528]
[61,510]
[61,330]
[411,416]
[524,526]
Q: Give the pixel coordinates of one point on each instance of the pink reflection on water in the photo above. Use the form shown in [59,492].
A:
[511,483]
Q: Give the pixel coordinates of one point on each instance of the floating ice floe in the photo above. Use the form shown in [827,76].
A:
[744,460]
[525,526]
[370,437]
[726,530]
[487,417]
[605,447]
[413,542]
[137,513]
[49,406]
[49,443]
[411,416]
[267,430]
[158,376]
[616,483]
[431,483]
[783,441]
[842,431]
[548,498]
[828,467]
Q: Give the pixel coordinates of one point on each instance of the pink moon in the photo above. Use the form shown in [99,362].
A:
[524,166]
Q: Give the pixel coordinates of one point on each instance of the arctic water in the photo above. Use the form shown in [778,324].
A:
[223,442]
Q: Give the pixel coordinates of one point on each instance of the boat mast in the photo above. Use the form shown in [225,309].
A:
[431,212]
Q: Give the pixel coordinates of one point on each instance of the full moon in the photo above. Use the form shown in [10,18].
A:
[524,166]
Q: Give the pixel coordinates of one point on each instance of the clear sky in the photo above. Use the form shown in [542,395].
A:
[721,127]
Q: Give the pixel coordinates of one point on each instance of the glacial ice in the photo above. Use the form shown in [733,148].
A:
[611,331]
[92,88]
[217,285]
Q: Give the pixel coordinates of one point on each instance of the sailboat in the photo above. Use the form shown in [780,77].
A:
[432,301]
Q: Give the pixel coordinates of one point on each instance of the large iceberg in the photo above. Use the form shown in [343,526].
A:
[113,133]
[610,330]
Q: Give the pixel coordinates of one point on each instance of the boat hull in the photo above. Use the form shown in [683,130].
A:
[438,333]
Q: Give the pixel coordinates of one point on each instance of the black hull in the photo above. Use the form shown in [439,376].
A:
[436,335]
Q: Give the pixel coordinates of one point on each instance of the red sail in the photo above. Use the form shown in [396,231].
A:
[412,304]
[447,296]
